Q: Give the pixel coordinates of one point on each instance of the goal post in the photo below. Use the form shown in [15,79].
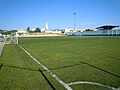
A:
[11,40]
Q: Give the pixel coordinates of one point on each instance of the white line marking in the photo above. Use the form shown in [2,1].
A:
[45,68]
[117,88]
[94,83]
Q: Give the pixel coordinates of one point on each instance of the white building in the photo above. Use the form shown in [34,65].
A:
[33,29]
[43,29]
[54,32]
[69,30]
[77,29]
[0,34]
[21,31]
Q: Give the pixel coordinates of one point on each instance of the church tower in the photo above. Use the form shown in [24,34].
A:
[46,26]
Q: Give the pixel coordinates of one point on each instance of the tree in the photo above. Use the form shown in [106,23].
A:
[12,32]
[28,29]
[37,30]
[1,31]
[88,30]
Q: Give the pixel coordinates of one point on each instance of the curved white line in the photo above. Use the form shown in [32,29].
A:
[117,88]
[94,83]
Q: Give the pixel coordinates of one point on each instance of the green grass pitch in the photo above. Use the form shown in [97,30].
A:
[72,59]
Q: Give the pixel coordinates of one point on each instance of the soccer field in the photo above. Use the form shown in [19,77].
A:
[80,63]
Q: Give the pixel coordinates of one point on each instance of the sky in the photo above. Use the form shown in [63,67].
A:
[59,14]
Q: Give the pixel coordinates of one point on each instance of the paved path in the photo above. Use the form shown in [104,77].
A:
[1,45]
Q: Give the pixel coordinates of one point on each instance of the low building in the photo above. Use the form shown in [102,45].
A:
[54,31]
[21,31]
[43,29]
[76,30]
[33,29]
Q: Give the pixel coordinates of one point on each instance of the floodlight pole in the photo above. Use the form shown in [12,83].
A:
[74,21]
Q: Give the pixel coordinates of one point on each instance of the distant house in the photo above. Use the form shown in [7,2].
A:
[43,29]
[76,30]
[0,34]
[21,31]
[54,31]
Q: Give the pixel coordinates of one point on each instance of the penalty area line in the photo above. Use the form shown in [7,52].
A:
[45,68]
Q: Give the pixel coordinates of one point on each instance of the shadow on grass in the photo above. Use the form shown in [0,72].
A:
[100,69]
[3,81]
[115,58]
[19,67]
[1,66]
[13,67]
[9,66]
[65,66]
[47,80]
